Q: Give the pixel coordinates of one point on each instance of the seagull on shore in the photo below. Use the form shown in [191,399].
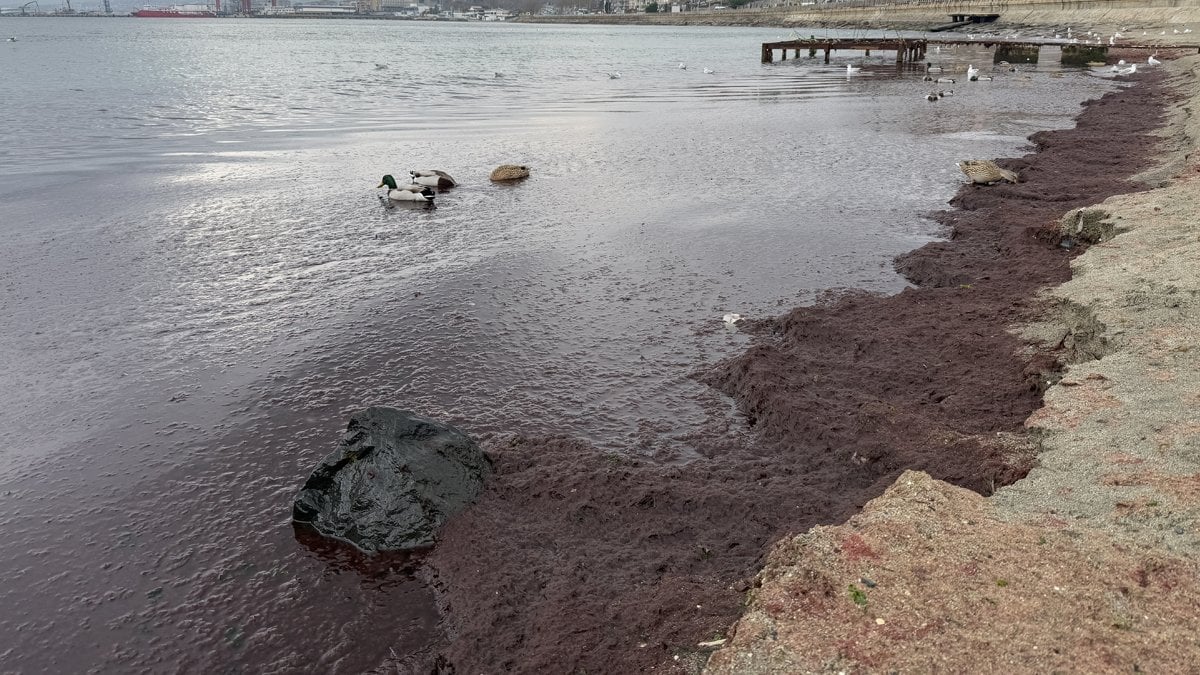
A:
[1152,61]
[732,319]
[851,69]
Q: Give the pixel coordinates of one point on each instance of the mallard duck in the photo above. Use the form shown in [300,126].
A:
[931,97]
[983,172]
[408,193]
[433,178]
[509,172]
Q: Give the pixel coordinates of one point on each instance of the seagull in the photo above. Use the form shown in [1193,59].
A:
[731,319]
[972,73]
[945,80]
[1153,61]
[682,65]
[11,39]
[1128,71]
[850,68]
[930,68]
[614,75]
[709,71]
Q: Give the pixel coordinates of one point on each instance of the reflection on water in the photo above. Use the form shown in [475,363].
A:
[200,284]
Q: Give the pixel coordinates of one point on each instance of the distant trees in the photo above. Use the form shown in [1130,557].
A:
[652,8]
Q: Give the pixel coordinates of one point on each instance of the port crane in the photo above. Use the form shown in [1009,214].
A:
[107,8]
[31,2]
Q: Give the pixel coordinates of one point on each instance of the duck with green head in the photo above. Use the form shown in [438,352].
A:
[408,193]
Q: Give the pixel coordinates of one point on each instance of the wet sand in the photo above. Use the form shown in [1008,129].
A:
[577,560]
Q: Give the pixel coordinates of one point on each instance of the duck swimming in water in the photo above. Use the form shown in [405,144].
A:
[408,193]
[433,178]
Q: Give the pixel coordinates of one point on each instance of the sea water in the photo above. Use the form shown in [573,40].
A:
[198,283]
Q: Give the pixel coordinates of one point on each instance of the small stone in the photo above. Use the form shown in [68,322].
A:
[880,621]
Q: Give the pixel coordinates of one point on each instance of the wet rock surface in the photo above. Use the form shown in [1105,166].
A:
[574,560]
[393,481]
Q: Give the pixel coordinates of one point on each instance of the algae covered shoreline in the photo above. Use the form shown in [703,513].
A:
[1087,564]
[603,563]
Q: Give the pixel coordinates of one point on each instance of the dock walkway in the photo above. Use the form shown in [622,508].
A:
[910,50]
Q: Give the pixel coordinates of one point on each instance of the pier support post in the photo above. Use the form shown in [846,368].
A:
[827,50]
[1016,54]
[1081,55]
[768,54]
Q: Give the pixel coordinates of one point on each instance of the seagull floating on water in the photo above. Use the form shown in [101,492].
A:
[614,75]
[972,73]
[682,65]
[731,319]
[709,71]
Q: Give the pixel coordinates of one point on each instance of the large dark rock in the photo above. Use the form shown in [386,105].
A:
[392,482]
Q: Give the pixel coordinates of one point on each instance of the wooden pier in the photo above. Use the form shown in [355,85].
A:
[910,50]
[906,49]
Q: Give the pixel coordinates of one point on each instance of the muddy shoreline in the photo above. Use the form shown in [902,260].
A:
[574,560]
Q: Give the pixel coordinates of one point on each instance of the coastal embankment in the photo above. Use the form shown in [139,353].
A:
[1089,563]
[1102,15]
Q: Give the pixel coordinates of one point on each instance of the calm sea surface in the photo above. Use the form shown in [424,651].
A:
[198,283]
